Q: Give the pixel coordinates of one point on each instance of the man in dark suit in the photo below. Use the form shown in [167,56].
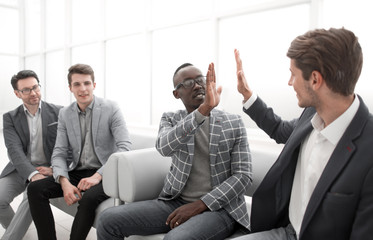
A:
[321,186]
[29,134]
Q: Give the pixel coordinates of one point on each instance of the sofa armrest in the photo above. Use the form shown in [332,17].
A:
[262,158]
[141,174]
[110,176]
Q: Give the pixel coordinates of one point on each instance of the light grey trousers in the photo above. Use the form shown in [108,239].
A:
[16,224]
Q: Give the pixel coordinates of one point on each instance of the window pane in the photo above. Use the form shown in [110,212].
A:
[32,25]
[263,50]
[357,17]
[167,12]
[91,55]
[33,63]
[55,23]
[9,67]
[56,85]
[9,40]
[123,17]
[229,5]
[86,20]
[127,78]
[172,47]
[9,2]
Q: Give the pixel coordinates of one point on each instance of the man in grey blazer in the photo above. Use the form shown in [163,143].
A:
[92,128]
[29,135]
[321,186]
[203,193]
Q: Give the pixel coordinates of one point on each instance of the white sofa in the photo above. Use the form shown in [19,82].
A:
[140,138]
[138,175]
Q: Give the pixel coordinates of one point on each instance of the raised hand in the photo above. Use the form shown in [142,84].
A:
[242,85]
[212,94]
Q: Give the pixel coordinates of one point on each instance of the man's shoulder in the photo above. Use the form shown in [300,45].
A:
[51,106]
[104,102]
[15,111]
[178,114]
[225,115]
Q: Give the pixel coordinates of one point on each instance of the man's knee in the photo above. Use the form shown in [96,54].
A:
[36,189]
[104,220]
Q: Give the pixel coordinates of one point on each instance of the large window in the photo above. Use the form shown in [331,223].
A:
[9,53]
[134,47]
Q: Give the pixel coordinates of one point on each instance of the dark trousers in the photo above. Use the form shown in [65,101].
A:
[39,193]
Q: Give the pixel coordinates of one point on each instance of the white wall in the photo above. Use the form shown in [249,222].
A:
[135,47]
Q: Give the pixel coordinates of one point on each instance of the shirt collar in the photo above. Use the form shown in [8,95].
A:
[28,112]
[334,131]
[89,107]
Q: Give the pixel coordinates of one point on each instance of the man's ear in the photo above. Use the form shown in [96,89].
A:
[316,80]
[176,94]
[17,93]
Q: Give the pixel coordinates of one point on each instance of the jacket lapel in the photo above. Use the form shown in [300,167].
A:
[44,122]
[215,132]
[22,122]
[338,160]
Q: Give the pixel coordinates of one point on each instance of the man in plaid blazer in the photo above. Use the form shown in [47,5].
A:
[203,194]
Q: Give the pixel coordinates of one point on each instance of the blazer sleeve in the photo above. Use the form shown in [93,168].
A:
[119,133]
[268,121]
[61,152]
[175,132]
[119,130]
[16,148]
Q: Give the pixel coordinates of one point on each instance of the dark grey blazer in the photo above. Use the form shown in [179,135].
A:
[341,206]
[17,138]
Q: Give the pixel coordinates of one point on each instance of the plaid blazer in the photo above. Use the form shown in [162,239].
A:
[230,159]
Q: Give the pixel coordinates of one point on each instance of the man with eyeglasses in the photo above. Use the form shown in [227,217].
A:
[203,194]
[30,134]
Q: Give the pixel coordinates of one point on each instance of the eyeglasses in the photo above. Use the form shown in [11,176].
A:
[189,83]
[27,91]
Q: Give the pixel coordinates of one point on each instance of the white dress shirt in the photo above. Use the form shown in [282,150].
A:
[314,155]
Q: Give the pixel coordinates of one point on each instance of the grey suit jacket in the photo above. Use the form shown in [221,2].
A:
[109,135]
[17,138]
[341,206]
[230,160]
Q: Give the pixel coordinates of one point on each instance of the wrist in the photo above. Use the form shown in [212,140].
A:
[204,110]
[247,95]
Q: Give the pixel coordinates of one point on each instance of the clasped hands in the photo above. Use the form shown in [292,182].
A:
[73,194]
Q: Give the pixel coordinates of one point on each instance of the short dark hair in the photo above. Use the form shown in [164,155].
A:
[22,75]
[179,68]
[80,69]
[182,66]
[335,53]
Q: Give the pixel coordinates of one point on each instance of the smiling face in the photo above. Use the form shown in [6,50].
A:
[32,99]
[191,97]
[82,87]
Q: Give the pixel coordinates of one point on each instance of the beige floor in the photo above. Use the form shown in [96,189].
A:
[63,220]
